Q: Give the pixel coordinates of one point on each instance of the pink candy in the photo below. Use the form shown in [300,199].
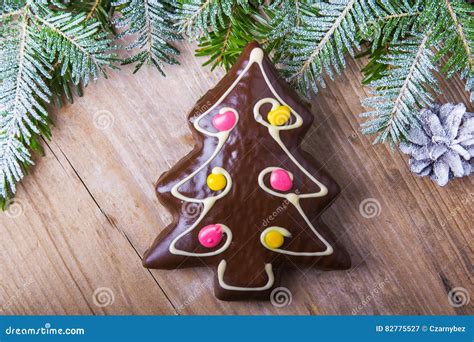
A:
[281,180]
[224,121]
[210,235]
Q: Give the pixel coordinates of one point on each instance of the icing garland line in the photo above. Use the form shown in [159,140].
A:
[208,203]
[274,131]
[256,55]
[293,198]
[220,276]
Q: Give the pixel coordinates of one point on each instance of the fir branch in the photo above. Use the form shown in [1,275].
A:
[102,10]
[285,16]
[404,86]
[194,14]
[13,13]
[399,16]
[78,44]
[195,17]
[455,35]
[93,9]
[225,45]
[400,20]
[23,66]
[32,41]
[460,31]
[216,45]
[151,22]
[10,8]
[399,23]
[325,39]
[318,46]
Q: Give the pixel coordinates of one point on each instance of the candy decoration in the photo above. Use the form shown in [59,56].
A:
[279,116]
[224,121]
[274,239]
[216,181]
[247,270]
[281,180]
[210,236]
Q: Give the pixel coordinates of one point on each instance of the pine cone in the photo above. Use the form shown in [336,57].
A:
[443,144]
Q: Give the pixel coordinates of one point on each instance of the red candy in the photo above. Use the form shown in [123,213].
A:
[280,180]
[210,235]
[224,121]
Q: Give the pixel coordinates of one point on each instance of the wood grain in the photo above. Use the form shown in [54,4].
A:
[88,211]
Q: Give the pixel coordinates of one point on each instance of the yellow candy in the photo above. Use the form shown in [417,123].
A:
[274,239]
[279,116]
[216,181]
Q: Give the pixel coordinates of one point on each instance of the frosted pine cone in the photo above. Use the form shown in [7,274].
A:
[443,145]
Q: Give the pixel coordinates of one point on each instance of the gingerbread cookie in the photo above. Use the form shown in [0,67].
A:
[246,200]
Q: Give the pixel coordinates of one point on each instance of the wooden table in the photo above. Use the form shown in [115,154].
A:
[72,242]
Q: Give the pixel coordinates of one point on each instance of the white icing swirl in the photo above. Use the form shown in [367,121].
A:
[293,198]
[256,56]
[220,276]
[207,203]
[275,133]
[286,233]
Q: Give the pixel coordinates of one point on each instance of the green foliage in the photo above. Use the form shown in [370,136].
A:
[39,43]
[196,18]
[84,54]
[396,23]
[400,88]
[23,68]
[151,23]
[457,41]
[225,44]
[448,27]
[284,17]
[101,10]
[317,47]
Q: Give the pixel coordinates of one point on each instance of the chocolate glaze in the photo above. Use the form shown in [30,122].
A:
[248,150]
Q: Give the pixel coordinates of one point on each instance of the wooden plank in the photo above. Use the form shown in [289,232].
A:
[60,255]
[396,251]
[126,131]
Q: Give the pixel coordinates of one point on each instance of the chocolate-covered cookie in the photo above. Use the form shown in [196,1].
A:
[246,199]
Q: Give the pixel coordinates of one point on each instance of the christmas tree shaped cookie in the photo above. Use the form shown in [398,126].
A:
[246,200]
